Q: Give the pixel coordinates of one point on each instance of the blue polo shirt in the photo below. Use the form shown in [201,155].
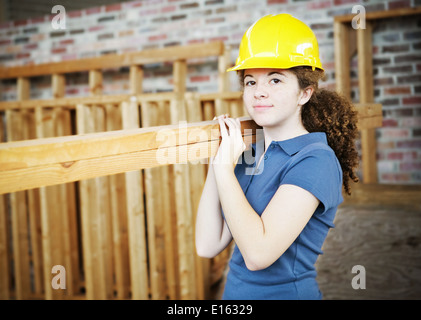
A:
[306,161]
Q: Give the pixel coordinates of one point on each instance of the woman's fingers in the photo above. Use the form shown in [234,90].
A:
[224,132]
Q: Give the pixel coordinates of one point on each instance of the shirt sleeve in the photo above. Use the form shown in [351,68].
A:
[317,171]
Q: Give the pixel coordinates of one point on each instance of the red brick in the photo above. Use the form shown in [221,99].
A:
[168,9]
[71,91]
[67,41]
[23,55]
[409,155]
[37,20]
[5,25]
[96,28]
[199,78]
[276,1]
[385,145]
[416,144]
[412,122]
[397,90]
[113,7]
[158,37]
[31,46]
[339,2]
[132,4]
[74,14]
[395,177]
[20,23]
[93,10]
[390,123]
[319,5]
[399,4]
[222,38]
[393,133]
[412,100]
[410,166]
[58,50]
[196,41]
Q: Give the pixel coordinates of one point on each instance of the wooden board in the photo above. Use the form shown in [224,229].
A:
[117,60]
[65,159]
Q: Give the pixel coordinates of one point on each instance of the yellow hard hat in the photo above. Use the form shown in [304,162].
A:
[279,42]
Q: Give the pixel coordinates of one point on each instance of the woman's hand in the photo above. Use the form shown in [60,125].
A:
[232,144]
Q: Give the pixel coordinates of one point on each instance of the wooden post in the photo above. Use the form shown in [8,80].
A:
[342,58]
[366,86]
[118,212]
[167,229]
[18,204]
[135,215]
[197,180]
[5,257]
[182,191]
[224,60]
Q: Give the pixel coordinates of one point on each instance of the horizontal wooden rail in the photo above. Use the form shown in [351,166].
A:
[42,162]
[72,102]
[149,56]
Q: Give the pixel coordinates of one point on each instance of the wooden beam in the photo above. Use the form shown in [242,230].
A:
[366,86]
[117,60]
[66,150]
[381,14]
[64,159]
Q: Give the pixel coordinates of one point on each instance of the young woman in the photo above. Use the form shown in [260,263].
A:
[279,208]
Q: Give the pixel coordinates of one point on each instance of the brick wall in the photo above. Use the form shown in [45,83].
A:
[138,25]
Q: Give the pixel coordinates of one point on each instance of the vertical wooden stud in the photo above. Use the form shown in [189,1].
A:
[221,106]
[342,58]
[366,86]
[135,215]
[182,191]
[117,196]
[5,257]
[197,179]
[18,204]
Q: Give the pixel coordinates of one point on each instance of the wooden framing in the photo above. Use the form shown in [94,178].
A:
[347,42]
[124,223]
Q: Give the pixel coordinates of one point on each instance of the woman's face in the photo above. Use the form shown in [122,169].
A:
[272,97]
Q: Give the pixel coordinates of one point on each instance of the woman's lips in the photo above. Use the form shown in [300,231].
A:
[262,107]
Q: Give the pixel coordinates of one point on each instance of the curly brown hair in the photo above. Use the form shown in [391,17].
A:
[329,112]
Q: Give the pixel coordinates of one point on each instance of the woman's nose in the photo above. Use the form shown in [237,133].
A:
[260,93]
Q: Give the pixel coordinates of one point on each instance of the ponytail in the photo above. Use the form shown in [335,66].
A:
[329,112]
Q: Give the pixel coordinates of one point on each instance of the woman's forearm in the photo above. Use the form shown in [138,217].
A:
[245,224]
[212,234]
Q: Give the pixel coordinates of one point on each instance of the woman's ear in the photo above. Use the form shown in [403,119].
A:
[305,95]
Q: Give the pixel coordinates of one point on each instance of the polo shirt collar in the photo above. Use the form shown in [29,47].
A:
[292,146]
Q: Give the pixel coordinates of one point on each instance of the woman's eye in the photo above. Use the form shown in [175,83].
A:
[275,81]
[250,83]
